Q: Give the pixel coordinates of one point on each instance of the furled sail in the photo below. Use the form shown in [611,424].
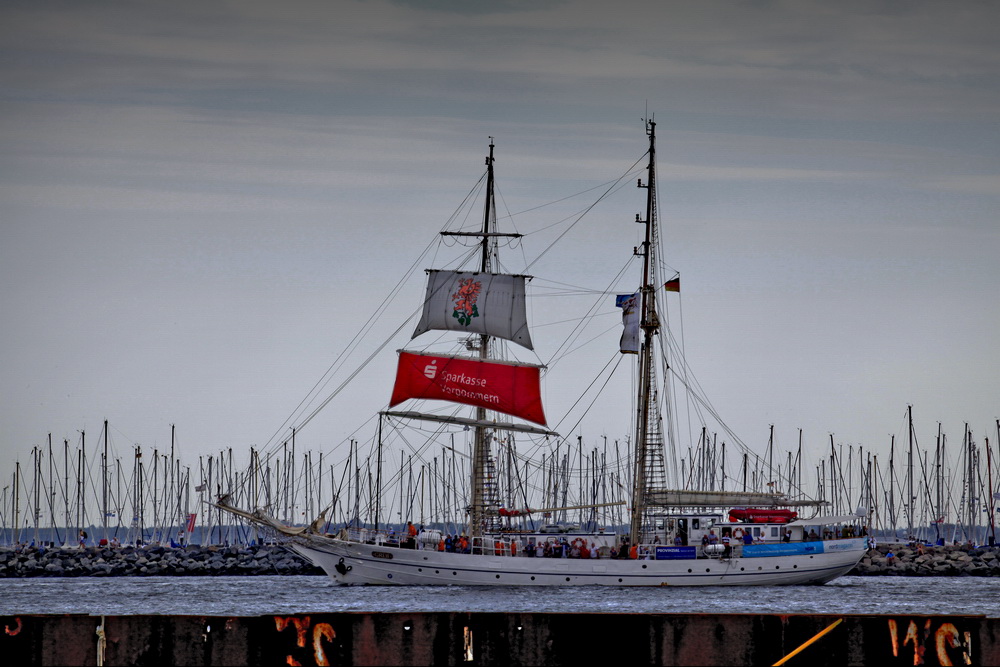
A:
[680,498]
[510,388]
[481,303]
[471,423]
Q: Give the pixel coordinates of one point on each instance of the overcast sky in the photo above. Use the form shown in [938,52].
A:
[202,202]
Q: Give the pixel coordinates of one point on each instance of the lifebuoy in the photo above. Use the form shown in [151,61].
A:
[579,543]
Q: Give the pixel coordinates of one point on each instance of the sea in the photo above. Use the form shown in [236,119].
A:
[266,595]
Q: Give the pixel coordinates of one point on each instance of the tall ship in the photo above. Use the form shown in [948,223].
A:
[666,536]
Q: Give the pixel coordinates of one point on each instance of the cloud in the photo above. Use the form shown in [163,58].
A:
[974,184]
[220,163]
[795,59]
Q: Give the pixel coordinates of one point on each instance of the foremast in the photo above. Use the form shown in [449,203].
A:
[481,445]
[483,305]
[647,439]
[479,508]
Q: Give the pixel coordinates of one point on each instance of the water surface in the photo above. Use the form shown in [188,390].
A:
[261,595]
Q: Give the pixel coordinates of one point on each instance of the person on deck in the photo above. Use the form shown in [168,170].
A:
[411,536]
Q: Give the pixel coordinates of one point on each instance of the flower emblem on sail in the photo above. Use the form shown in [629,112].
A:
[465,300]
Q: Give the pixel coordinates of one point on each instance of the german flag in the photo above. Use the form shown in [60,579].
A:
[674,284]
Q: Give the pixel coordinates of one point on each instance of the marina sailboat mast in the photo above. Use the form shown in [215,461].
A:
[648,441]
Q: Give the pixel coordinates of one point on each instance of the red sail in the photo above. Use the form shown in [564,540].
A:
[509,388]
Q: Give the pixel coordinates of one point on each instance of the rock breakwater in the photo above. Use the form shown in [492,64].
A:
[926,561]
[152,561]
[930,561]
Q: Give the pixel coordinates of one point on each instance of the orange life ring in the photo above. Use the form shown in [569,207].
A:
[579,543]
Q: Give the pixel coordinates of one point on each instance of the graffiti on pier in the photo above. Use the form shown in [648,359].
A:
[930,642]
[11,633]
[322,636]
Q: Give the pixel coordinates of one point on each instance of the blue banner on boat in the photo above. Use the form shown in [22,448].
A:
[845,545]
[676,553]
[783,549]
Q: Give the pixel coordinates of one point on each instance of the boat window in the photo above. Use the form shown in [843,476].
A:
[695,524]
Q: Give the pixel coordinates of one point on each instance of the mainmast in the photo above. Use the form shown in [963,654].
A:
[650,325]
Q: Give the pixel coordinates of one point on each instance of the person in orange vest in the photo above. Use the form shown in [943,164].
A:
[633,551]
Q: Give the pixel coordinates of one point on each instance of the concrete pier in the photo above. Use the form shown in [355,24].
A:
[458,638]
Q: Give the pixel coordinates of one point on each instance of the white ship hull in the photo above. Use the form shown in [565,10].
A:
[357,563]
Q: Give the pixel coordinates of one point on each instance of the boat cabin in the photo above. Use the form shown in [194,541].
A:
[684,529]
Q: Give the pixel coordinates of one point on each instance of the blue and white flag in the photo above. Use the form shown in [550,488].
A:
[629,303]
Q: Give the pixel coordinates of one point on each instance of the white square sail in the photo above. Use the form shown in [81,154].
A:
[481,303]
